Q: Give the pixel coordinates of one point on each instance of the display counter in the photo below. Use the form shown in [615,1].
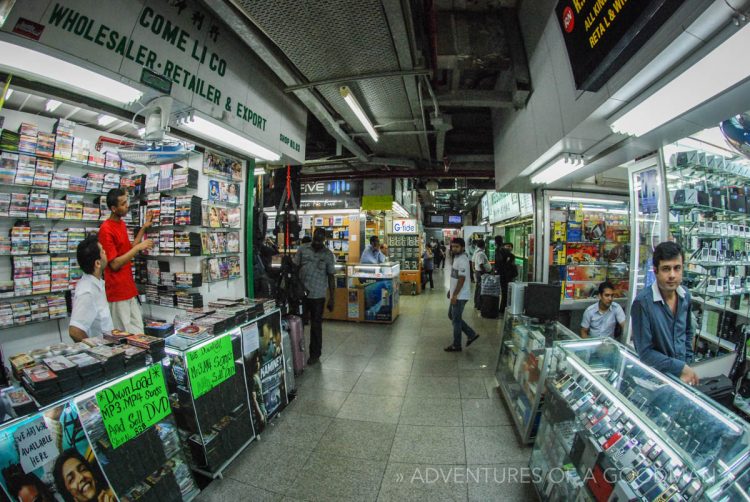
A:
[613,426]
[366,293]
[522,366]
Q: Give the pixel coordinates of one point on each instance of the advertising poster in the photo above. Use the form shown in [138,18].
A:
[379,300]
[648,191]
[38,455]
[264,368]
[217,164]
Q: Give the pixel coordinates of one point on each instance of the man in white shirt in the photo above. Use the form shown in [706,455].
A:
[601,318]
[372,253]
[481,266]
[459,294]
[90,316]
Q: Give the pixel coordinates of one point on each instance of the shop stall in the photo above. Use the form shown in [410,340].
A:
[371,293]
[511,216]
[614,427]
[405,247]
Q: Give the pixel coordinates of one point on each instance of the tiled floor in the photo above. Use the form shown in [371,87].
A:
[389,416]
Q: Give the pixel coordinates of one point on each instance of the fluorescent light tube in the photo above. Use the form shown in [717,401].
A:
[105,120]
[712,75]
[51,105]
[346,93]
[585,200]
[560,168]
[399,210]
[18,59]
[229,139]
[8,93]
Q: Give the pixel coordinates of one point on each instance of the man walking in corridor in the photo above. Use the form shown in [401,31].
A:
[459,293]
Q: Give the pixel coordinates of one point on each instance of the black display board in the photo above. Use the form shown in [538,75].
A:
[602,35]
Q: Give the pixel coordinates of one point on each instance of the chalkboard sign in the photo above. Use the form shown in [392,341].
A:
[209,365]
[602,35]
[131,406]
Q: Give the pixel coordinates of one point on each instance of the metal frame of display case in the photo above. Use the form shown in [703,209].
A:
[609,410]
[526,427]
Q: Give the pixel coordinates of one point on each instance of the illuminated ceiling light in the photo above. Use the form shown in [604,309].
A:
[141,132]
[105,120]
[51,105]
[585,200]
[399,210]
[21,60]
[560,168]
[259,171]
[8,93]
[708,77]
[346,93]
[230,139]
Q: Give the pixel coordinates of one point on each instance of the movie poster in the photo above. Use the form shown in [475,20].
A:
[379,300]
[38,454]
[215,163]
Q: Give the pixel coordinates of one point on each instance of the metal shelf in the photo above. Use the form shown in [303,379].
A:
[33,322]
[74,163]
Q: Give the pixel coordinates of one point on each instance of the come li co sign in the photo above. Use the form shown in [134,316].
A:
[404,226]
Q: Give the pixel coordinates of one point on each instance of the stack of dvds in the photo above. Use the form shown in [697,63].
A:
[8,168]
[95,158]
[153,345]
[41,382]
[188,300]
[6,315]
[185,177]
[187,244]
[67,373]
[165,296]
[166,215]
[135,357]
[166,242]
[27,135]
[153,206]
[39,243]
[21,312]
[152,183]
[188,210]
[153,236]
[20,239]
[57,307]
[9,141]
[64,139]
[187,280]
[94,182]
[45,172]
[45,145]
[19,362]
[20,401]
[77,184]
[75,236]
[4,245]
[23,271]
[112,359]
[26,170]
[61,181]
[159,329]
[58,241]
[90,369]
[4,204]
[38,205]
[165,177]
[59,273]
[116,336]
[19,205]
[81,149]
[39,309]
[41,274]
[90,211]
[56,209]
[112,180]
[73,207]
[155,269]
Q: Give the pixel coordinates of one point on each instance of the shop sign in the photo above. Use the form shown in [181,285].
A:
[130,406]
[485,206]
[503,206]
[527,204]
[210,365]
[210,69]
[379,186]
[377,202]
[404,226]
[602,35]
[335,194]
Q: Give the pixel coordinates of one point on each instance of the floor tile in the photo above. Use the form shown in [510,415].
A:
[356,439]
[332,478]
[269,466]
[369,408]
[221,490]
[315,401]
[328,379]
[395,365]
[423,483]
[294,430]
[429,445]
[382,384]
[431,411]
[485,413]
[472,388]
[345,362]
[433,386]
[494,445]
[500,483]
[435,367]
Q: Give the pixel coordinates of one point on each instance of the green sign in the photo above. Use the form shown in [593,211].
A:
[131,406]
[210,365]
[377,202]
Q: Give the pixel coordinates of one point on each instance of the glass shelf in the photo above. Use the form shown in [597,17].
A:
[75,163]
[686,208]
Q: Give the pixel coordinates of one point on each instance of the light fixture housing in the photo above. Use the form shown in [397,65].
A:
[105,120]
[399,210]
[350,100]
[561,167]
[229,139]
[51,105]
[586,200]
[708,77]
[39,66]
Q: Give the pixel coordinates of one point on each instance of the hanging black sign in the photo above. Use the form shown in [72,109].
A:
[602,35]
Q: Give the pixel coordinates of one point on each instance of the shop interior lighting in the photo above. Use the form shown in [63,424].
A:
[563,166]
[259,171]
[51,105]
[585,200]
[105,120]
[19,59]
[346,93]
[399,210]
[707,78]
[141,132]
[8,93]
[230,139]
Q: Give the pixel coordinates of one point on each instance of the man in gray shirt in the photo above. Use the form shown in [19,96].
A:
[316,271]
[601,318]
[661,317]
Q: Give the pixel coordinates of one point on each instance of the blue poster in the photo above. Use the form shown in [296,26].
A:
[379,300]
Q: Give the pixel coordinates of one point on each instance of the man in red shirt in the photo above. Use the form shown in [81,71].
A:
[118,276]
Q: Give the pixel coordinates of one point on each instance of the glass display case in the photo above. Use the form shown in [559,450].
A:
[522,365]
[587,238]
[373,292]
[613,426]
[367,271]
[210,402]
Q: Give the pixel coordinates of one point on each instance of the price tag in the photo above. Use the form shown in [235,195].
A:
[131,406]
[210,365]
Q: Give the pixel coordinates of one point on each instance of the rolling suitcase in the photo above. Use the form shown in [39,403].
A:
[286,343]
[489,306]
[297,337]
